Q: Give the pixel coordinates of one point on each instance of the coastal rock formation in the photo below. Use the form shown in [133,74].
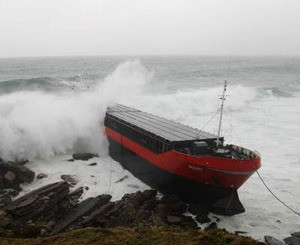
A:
[84,156]
[13,174]
[41,176]
[53,209]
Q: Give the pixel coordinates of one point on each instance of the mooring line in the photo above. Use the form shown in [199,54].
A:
[275,195]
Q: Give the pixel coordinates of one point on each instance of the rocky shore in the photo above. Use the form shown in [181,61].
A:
[54,209]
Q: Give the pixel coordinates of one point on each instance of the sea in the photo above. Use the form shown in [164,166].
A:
[51,107]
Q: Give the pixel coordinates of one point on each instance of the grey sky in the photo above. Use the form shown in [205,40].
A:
[149,27]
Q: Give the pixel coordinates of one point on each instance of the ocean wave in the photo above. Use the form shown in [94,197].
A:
[30,84]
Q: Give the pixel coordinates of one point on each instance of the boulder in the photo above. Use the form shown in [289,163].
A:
[202,219]
[273,241]
[41,176]
[297,234]
[71,179]
[84,156]
[12,175]
[293,240]
[93,164]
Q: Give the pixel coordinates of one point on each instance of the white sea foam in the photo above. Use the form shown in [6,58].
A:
[39,125]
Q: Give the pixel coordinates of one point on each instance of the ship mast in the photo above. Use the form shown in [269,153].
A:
[221,113]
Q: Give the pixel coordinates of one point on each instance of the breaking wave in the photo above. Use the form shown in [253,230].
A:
[37,124]
[40,122]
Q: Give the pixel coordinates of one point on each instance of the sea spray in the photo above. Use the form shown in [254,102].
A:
[40,125]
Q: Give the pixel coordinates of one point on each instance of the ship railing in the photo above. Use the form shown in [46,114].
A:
[245,151]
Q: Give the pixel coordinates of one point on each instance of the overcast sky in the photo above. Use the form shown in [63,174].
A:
[149,27]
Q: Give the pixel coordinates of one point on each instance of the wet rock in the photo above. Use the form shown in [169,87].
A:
[293,240]
[174,203]
[93,164]
[71,179]
[202,219]
[13,174]
[273,241]
[6,196]
[198,209]
[297,234]
[75,195]
[84,156]
[41,204]
[4,219]
[41,176]
[212,226]
[51,209]
[83,209]
[10,176]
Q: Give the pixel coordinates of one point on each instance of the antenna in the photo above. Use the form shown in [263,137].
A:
[221,113]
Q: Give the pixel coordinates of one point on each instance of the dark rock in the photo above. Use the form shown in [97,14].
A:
[76,194]
[10,176]
[293,240]
[198,209]
[13,174]
[174,219]
[84,156]
[41,176]
[212,226]
[40,204]
[71,160]
[202,219]
[4,219]
[51,209]
[188,223]
[93,164]
[297,234]
[72,179]
[122,179]
[174,203]
[273,241]
[216,218]
[6,196]
[83,209]
[86,188]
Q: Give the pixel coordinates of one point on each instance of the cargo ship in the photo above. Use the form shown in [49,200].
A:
[177,159]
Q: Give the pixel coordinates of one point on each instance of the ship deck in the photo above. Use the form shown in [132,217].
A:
[162,127]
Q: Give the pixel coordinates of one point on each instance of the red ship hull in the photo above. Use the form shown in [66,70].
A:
[210,179]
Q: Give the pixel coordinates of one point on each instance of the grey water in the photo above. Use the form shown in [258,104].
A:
[280,74]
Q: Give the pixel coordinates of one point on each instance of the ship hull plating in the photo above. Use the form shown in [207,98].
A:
[220,200]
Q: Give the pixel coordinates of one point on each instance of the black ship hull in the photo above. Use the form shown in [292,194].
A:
[219,200]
